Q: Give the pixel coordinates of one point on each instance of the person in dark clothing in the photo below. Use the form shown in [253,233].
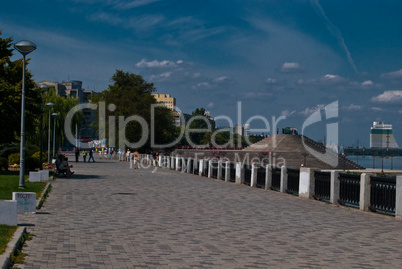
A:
[77,154]
[91,156]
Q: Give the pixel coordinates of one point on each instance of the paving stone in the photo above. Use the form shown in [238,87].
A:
[110,216]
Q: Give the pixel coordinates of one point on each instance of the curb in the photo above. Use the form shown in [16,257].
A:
[43,194]
[11,247]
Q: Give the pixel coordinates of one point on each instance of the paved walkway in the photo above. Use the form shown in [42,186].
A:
[108,216]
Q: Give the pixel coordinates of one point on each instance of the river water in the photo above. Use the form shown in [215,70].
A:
[376,162]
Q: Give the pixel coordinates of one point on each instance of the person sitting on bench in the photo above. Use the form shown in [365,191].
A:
[64,167]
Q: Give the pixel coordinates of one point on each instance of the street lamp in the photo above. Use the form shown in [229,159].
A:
[43,88]
[49,105]
[54,130]
[24,47]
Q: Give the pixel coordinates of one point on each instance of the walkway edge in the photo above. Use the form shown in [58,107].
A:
[11,247]
[43,194]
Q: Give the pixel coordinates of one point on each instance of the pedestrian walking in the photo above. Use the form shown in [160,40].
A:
[91,155]
[136,159]
[84,155]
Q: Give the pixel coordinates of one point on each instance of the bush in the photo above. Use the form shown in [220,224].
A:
[14,158]
[3,163]
[31,163]
[36,156]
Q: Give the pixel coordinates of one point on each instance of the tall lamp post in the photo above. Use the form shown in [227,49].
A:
[54,131]
[49,105]
[24,47]
[43,88]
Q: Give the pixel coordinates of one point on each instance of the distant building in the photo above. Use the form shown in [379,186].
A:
[73,89]
[167,100]
[381,136]
[242,129]
[246,129]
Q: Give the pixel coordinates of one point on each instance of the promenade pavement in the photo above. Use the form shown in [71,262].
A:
[108,216]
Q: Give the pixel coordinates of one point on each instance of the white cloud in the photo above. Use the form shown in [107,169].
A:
[309,111]
[270,81]
[392,75]
[352,107]
[202,85]
[388,97]
[367,83]
[332,78]
[377,109]
[253,95]
[157,64]
[210,105]
[288,113]
[291,67]
[221,79]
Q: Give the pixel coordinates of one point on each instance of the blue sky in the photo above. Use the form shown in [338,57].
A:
[279,58]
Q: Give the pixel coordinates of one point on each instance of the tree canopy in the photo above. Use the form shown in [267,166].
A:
[130,95]
[11,94]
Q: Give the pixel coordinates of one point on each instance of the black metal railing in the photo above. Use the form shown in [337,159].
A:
[179,163]
[190,168]
[247,174]
[232,171]
[293,181]
[383,195]
[349,189]
[214,171]
[261,174]
[223,170]
[322,186]
[276,179]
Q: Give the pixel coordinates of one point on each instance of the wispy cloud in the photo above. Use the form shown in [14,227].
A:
[144,63]
[392,75]
[291,68]
[119,4]
[352,107]
[388,97]
[334,31]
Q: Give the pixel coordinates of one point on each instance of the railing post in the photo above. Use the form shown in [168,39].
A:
[268,177]
[398,198]
[284,179]
[239,173]
[159,160]
[253,180]
[210,168]
[188,165]
[365,191]
[201,167]
[177,164]
[227,171]
[183,165]
[306,183]
[172,162]
[334,192]
[219,174]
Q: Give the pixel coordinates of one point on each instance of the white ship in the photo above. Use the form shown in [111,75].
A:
[381,136]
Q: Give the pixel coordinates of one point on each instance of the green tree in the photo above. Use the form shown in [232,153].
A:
[10,97]
[130,95]
[62,105]
[200,121]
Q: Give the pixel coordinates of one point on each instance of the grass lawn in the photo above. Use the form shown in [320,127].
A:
[9,181]
[6,232]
